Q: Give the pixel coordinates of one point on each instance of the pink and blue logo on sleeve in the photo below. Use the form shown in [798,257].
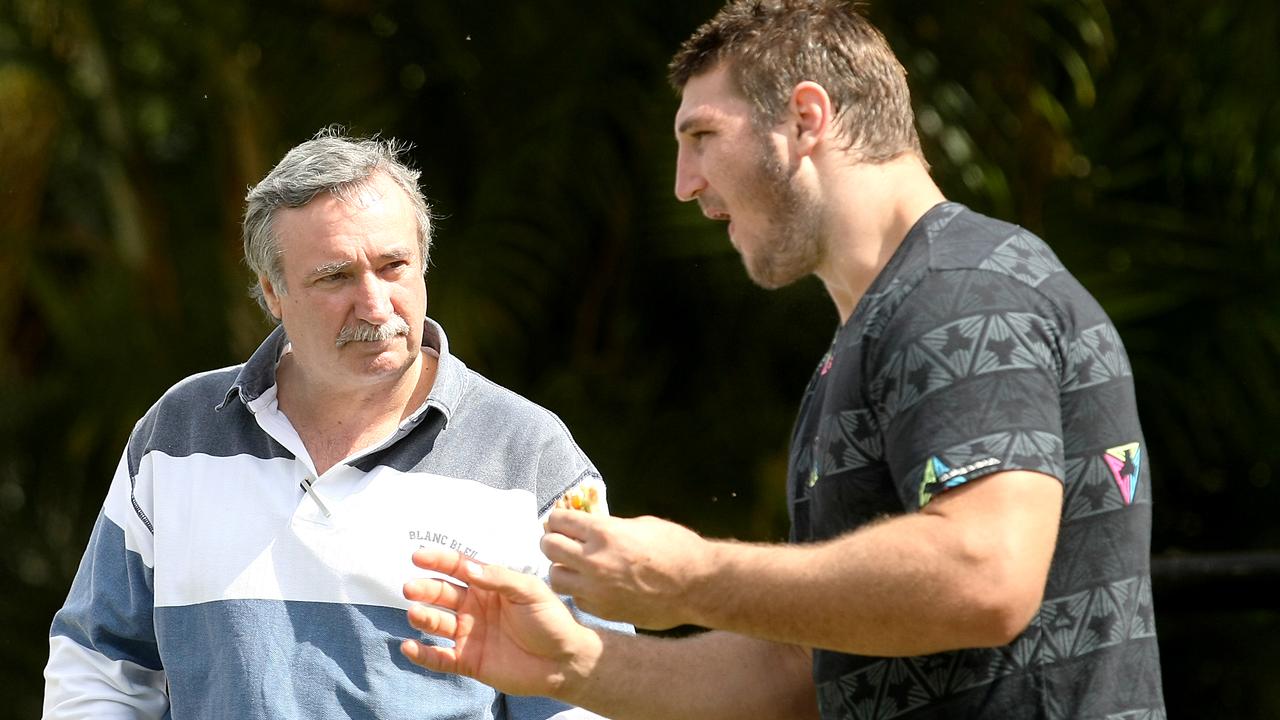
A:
[1125,463]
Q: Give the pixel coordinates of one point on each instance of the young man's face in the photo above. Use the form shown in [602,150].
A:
[351,266]
[740,174]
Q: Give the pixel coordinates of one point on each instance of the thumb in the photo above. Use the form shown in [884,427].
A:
[515,586]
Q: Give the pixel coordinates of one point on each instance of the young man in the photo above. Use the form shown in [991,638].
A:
[967,485]
[248,560]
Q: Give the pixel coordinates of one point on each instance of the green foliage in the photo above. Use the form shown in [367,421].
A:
[1142,140]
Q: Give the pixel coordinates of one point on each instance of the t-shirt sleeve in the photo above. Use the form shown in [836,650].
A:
[966,383]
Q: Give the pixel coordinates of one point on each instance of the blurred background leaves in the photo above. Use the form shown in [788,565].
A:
[1142,139]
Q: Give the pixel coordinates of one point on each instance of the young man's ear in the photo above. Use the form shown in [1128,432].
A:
[810,115]
[270,296]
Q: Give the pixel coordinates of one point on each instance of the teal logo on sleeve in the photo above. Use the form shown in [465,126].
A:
[938,476]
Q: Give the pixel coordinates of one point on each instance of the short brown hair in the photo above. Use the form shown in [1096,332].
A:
[770,46]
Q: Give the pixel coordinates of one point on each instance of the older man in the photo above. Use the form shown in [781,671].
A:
[969,497]
[249,557]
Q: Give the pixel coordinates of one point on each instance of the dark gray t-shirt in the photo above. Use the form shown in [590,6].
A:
[975,352]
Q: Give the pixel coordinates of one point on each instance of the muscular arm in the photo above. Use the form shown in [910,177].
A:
[968,570]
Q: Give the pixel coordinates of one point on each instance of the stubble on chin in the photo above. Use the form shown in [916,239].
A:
[791,247]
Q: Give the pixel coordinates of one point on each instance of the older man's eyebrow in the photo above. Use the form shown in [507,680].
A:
[397,254]
[329,268]
[338,266]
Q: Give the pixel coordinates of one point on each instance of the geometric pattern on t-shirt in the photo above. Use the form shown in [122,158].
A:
[965,348]
[1022,449]
[855,442]
[1025,257]
[1094,558]
[1104,482]
[1096,357]
[1092,492]
[1097,618]
[1110,419]
[1066,628]
[879,304]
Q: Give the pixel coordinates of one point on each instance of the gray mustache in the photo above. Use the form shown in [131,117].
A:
[368,332]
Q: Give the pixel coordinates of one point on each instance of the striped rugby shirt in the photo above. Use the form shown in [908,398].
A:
[215,585]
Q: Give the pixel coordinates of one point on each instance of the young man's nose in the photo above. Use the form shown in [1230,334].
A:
[689,180]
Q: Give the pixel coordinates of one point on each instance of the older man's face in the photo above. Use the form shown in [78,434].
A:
[355,296]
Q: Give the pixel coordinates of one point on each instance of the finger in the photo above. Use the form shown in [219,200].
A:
[433,621]
[576,525]
[435,592]
[561,549]
[566,581]
[448,562]
[434,658]
[514,586]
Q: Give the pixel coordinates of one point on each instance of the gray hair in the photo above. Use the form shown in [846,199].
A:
[329,162]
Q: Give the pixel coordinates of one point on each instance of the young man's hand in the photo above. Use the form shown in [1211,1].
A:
[637,570]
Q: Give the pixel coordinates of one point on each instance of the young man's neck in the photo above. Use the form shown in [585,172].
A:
[872,208]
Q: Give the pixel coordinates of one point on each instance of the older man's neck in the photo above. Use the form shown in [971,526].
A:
[336,422]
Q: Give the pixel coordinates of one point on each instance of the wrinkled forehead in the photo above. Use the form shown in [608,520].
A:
[370,210]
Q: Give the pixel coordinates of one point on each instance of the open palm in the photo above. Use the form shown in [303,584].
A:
[509,630]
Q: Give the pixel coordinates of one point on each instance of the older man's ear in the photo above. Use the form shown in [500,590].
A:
[270,297]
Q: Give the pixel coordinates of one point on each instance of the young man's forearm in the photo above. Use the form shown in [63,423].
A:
[714,675]
[910,585]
